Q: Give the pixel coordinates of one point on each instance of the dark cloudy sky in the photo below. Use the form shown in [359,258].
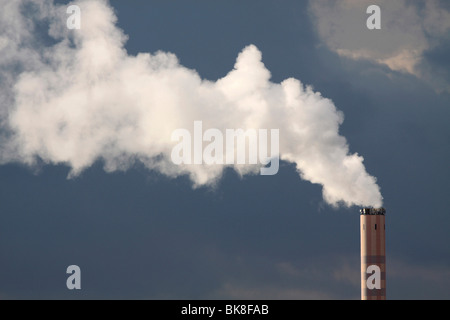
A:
[142,234]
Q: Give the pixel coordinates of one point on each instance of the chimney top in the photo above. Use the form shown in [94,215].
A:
[373,211]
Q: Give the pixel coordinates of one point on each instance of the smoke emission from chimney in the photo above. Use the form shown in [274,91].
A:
[75,97]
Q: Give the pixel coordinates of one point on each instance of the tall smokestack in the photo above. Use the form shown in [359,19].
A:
[373,255]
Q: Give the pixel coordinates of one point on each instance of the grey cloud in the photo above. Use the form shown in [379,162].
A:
[408,31]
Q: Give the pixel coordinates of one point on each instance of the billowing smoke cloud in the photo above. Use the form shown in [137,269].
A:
[75,97]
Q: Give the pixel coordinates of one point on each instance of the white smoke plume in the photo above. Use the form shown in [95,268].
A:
[75,97]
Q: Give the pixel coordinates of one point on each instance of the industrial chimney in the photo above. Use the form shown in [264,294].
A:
[373,255]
